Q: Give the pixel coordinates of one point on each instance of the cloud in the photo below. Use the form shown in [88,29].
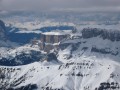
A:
[79,5]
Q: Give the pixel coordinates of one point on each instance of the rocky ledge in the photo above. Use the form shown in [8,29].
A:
[105,34]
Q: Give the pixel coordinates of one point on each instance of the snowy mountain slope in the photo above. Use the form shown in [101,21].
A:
[19,55]
[86,60]
[25,54]
[16,56]
[4,41]
[12,54]
[87,63]
[80,74]
[91,42]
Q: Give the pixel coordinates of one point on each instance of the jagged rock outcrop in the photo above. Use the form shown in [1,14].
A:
[48,42]
[105,34]
[104,51]
[2,30]
[51,56]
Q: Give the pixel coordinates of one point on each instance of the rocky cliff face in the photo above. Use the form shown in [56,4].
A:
[2,30]
[52,38]
[105,34]
[48,42]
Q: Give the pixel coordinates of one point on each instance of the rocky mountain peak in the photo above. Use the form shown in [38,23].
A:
[104,34]
[51,40]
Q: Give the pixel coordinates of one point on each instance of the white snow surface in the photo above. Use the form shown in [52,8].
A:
[93,70]
[58,32]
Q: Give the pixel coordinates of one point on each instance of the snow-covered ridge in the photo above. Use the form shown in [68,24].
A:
[90,42]
[82,74]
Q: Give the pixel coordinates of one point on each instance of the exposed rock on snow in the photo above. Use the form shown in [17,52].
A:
[105,34]
[80,74]
[51,40]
